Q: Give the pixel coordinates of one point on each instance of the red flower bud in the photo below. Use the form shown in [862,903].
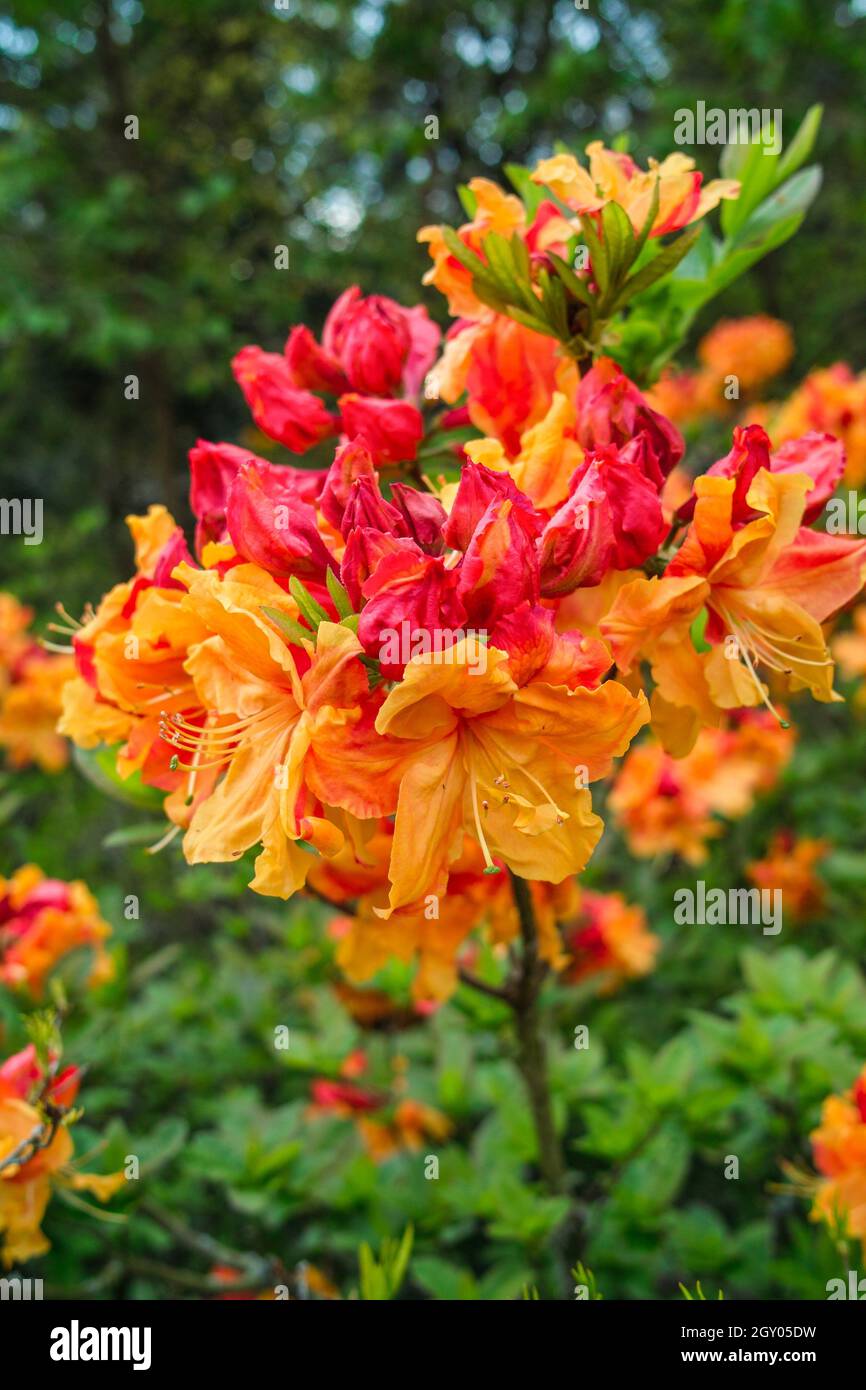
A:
[281,410]
[392,429]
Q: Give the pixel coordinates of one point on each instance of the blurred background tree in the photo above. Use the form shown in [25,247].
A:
[304,123]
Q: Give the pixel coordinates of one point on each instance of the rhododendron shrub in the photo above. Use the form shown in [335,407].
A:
[464,624]
[394,678]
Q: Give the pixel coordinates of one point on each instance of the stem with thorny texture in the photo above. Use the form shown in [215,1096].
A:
[531,1056]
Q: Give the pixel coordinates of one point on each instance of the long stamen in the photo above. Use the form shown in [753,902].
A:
[545,793]
[489,866]
[743,645]
[67,617]
[166,840]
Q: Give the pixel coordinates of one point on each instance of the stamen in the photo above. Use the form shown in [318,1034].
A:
[560,817]
[490,867]
[743,645]
[166,840]
[67,617]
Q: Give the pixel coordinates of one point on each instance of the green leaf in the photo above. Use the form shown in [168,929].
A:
[467,199]
[145,833]
[339,594]
[619,241]
[597,253]
[644,233]
[798,151]
[532,194]
[98,765]
[533,321]
[667,260]
[461,252]
[311,609]
[484,282]
[572,282]
[289,626]
[759,177]
[793,198]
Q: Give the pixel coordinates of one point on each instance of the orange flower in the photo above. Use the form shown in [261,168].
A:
[849,649]
[433,932]
[15,642]
[549,454]
[411,1125]
[130,658]
[752,349]
[292,747]
[609,937]
[684,397]
[505,765]
[839,1151]
[832,400]
[41,921]
[31,680]
[766,586]
[511,376]
[495,211]
[434,940]
[30,709]
[659,807]
[32,1110]
[666,804]
[615,178]
[790,866]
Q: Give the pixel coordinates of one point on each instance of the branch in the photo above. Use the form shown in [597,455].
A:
[531,1057]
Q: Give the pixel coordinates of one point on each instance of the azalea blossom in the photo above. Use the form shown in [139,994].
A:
[42,920]
[614,177]
[839,1150]
[44,1151]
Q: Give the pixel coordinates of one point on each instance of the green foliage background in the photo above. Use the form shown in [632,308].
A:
[260,126]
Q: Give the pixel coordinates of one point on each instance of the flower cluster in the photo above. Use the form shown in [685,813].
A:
[394,686]
[831,400]
[839,1151]
[370,365]
[36,1151]
[31,680]
[384,1125]
[608,938]
[789,865]
[42,920]
[667,805]
[750,351]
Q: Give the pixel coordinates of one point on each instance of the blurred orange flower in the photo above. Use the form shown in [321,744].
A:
[609,936]
[668,805]
[839,1151]
[32,1107]
[789,865]
[41,921]
[753,349]
[31,682]
[614,177]
[832,400]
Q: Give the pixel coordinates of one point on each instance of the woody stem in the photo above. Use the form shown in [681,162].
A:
[531,1054]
